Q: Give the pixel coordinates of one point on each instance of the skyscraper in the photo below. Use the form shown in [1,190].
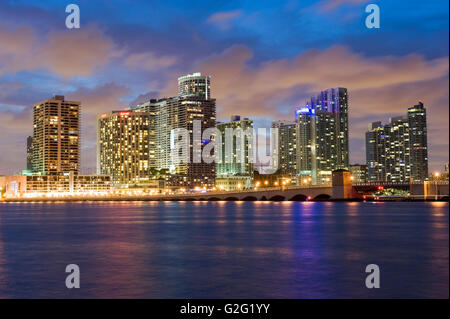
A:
[195,84]
[398,167]
[229,164]
[56,136]
[153,107]
[397,152]
[287,147]
[123,147]
[377,139]
[180,113]
[417,119]
[30,153]
[322,135]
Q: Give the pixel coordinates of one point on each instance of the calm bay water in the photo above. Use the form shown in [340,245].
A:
[224,249]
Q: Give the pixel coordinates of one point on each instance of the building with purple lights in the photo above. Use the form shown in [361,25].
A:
[322,135]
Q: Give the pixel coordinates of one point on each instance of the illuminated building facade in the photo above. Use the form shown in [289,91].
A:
[55,185]
[195,84]
[322,135]
[123,147]
[417,120]
[398,167]
[154,108]
[377,139]
[388,151]
[397,152]
[287,147]
[359,173]
[230,165]
[30,153]
[56,136]
[233,182]
[180,113]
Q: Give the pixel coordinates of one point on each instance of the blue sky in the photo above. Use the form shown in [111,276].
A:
[265,58]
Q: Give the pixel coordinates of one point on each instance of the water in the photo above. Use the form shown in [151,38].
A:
[224,249]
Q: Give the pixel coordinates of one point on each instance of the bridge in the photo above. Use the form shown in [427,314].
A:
[294,193]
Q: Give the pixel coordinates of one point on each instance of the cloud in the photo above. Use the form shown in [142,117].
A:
[223,20]
[240,85]
[149,61]
[101,98]
[67,53]
[77,52]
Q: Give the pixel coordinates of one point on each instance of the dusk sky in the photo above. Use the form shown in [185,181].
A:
[265,58]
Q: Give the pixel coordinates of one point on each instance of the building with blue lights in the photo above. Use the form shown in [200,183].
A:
[322,135]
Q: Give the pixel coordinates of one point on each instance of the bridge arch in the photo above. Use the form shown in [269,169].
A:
[299,198]
[278,198]
[322,197]
[231,198]
[250,198]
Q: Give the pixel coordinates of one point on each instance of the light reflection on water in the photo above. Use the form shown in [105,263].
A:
[223,249]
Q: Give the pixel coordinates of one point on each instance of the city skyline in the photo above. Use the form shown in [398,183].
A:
[251,76]
[328,108]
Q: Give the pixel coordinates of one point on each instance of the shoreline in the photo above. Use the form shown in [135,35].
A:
[144,199]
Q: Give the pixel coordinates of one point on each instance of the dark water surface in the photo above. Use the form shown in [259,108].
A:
[224,249]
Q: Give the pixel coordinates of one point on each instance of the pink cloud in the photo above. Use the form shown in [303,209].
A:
[149,61]
[66,53]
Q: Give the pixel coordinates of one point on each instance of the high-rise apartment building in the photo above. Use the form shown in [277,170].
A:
[377,141]
[56,136]
[388,151]
[30,153]
[417,120]
[287,147]
[397,152]
[195,84]
[123,142]
[194,102]
[153,108]
[180,113]
[322,135]
[234,162]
